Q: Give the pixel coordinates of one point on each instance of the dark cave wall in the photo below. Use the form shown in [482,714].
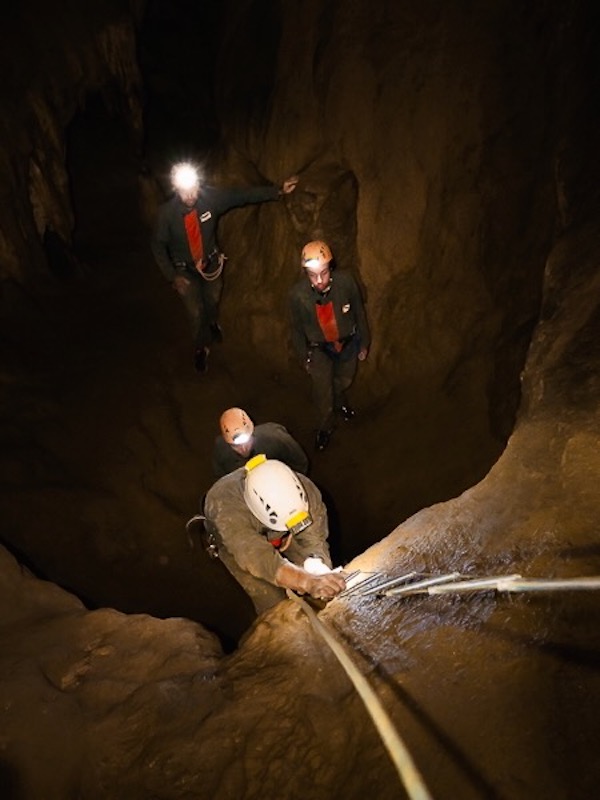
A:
[429,151]
[71,51]
[455,131]
[444,119]
[428,148]
[60,61]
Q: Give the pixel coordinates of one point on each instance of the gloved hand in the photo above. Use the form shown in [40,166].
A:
[315,566]
[325,587]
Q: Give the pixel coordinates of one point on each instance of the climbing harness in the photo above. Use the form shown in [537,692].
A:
[190,266]
[212,276]
[208,539]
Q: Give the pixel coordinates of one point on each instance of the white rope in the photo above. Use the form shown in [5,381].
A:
[409,774]
[212,276]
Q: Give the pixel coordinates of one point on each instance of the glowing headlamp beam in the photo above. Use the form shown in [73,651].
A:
[185,177]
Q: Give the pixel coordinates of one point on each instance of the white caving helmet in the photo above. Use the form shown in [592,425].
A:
[275,496]
[236,426]
[184,177]
[316,255]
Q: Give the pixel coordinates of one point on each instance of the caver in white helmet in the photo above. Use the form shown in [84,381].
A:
[275,496]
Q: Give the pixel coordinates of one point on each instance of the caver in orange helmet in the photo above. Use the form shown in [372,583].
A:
[316,255]
[236,426]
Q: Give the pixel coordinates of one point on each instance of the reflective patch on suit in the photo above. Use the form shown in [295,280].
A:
[205,217]
[346,308]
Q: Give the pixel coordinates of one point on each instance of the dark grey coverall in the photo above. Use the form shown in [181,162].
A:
[172,252]
[331,370]
[243,541]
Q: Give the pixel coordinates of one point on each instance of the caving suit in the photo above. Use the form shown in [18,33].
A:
[244,542]
[328,330]
[269,438]
[184,243]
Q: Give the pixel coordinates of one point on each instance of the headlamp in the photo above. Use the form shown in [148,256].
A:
[255,461]
[298,522]
[241,438]
[184,177]
[312,263]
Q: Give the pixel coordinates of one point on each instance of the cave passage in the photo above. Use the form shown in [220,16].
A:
[123,423]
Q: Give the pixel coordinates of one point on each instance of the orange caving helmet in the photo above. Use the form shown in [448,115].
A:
[236,426]
[316,255]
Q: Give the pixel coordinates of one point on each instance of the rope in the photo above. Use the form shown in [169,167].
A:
[408,772]
[212,276]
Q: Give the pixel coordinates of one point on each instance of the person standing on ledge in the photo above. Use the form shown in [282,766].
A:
[185,247]
[268,525]
[330,334]
[240,441]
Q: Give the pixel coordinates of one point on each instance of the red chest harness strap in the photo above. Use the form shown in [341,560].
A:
[194,237]
[328,324]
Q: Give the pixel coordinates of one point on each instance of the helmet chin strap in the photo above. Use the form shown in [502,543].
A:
[282,543]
